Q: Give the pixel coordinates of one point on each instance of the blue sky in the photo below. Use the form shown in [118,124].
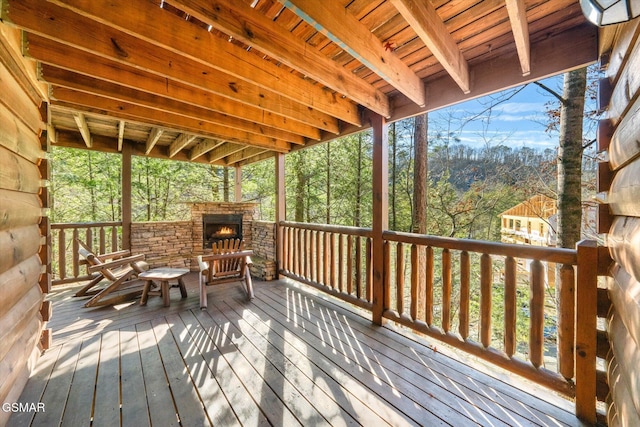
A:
[518,121]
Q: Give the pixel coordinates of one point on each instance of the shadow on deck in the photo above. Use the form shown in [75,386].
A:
[289,357]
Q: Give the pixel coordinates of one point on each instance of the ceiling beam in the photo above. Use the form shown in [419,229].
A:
[83,128]
[171,32]
[67,27]
[518,18]
[126,111]
[152,140]
[203,147]
[244,154]
[245,24]
[264,156]
[424,20]
[71,80]
[69,58]
[121,125]
[182,141]
[332,19]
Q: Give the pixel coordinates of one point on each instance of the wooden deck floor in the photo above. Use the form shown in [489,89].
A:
[289,357]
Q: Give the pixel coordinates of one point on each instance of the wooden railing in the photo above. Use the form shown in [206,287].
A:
[335,259]
[489,299]
[102,237]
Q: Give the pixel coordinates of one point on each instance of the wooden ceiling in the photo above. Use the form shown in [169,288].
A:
[232,82]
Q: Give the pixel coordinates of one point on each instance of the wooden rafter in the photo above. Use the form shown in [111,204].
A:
[124,110]
[334,21]
[245,24]
[153,138]
[424,20]
[518,18]
[121,125]
[244,154]
[83,128]
[182,141]
[251,117]
[203,147]
[224,62]
[70,80]
[223,151]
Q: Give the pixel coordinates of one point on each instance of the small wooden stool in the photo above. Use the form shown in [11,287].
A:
[163,275]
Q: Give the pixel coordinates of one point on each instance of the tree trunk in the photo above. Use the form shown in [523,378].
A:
[570,159]
[300,187]
[225,183]
[357,208]
[419,220]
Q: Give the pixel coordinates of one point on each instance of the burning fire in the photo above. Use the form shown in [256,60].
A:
[225,230]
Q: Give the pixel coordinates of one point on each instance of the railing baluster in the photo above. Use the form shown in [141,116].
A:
[341,262]
[428,295]
[114,238]
[400,278]
[307,253]
[465,285]
[326,253]
[386,300]
[566,321]
[415,294]
[358,278]
[369,270]
[75,256]
[285,248]
[62,255]
[318,257]
[486,279]
[536,309]
[446,290]
[332,261]
[350,265]
[510,306]
[103,240]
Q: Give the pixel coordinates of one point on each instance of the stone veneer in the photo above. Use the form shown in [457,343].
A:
[178,243]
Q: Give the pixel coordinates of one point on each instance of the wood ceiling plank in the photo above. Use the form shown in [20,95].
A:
[71,80]
[244,154]
[334,21]
[63,56]
[518,17]
[258,158]
[256,30]
[124,110]
[67,27]
[167,30]
[83,128]
[424,20]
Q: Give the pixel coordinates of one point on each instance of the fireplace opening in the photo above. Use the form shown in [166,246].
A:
[217,227]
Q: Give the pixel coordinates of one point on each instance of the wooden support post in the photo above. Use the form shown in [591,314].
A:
[126,196]
[380,211]
[280,209]
[586,336]
[237,188]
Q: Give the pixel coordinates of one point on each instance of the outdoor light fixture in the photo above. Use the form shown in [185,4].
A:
[607,12]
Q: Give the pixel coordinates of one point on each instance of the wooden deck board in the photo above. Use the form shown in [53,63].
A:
[291,356]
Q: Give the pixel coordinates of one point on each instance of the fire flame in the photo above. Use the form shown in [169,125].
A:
[225,230]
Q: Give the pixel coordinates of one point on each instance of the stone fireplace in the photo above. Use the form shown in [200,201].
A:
[212,221]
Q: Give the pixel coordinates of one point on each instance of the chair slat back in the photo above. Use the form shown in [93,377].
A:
[92,259]
[231,265]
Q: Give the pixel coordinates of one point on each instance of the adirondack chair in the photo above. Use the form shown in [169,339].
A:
[229,262]
[118,271]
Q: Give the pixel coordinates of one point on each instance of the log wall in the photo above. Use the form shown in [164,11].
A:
[620,137]
[23,250]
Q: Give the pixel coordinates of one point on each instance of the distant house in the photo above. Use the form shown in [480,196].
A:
[529,222]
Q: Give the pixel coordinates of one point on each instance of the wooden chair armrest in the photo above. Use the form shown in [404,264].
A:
[202,265]
[248,260]
[116,263]
[114,255]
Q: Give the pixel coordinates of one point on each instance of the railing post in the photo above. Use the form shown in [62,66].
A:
[280,211]
[380,211]
[586,313]
[126,196]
